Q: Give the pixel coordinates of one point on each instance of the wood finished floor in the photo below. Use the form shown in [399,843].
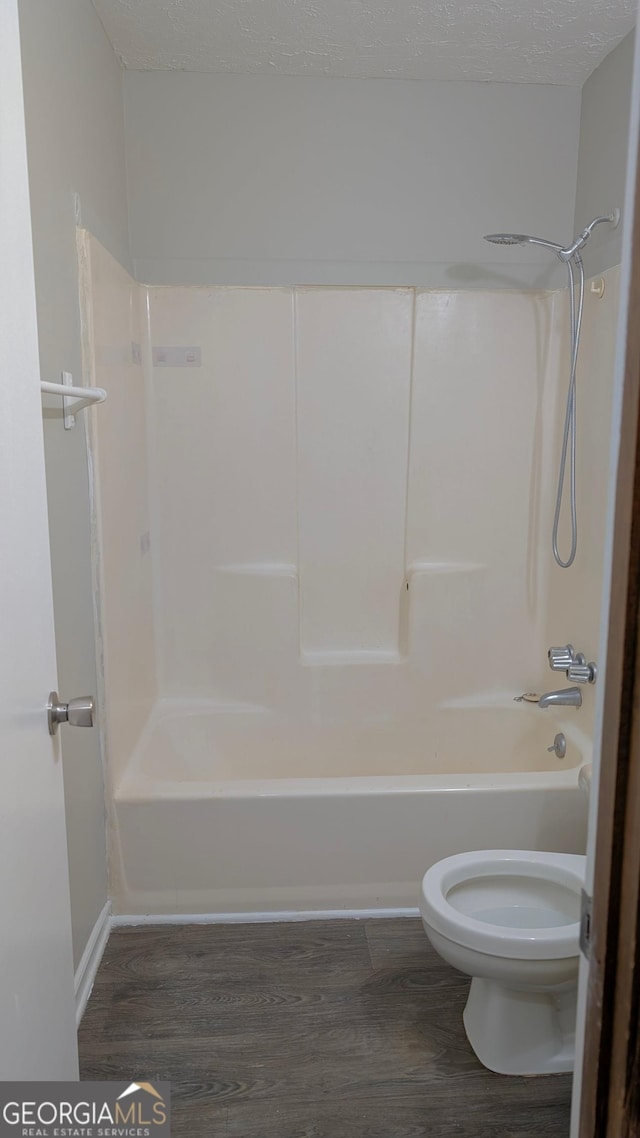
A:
[325,1029]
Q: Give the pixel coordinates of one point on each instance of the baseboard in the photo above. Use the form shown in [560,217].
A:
[93,953]
[90,962]
[124,919]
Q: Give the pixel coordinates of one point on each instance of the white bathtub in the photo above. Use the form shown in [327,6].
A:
[233,811]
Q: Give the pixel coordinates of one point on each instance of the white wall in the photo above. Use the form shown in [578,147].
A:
[249,180]
[602,160]
[75,138]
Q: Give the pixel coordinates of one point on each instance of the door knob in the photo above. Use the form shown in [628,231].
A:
[77,712]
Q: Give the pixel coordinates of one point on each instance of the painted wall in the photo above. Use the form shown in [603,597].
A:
[75,138]
[249,180]
[602,160]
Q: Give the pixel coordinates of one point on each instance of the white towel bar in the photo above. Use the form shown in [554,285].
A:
[74,399]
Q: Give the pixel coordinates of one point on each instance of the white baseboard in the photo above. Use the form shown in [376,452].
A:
[92,955]
[90,962]
[125,919]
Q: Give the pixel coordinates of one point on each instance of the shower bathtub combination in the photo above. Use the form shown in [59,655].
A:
[323,577]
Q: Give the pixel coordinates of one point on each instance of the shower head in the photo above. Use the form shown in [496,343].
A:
[507,238]
[565,254]
[521,239]
[571,257]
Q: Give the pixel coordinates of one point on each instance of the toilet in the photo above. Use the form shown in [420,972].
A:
[510,919]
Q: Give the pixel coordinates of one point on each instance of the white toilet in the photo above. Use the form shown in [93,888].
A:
[510,919]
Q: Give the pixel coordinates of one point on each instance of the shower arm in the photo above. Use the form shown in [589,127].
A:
[580,241]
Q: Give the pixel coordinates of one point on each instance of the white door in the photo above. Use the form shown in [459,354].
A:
[619,381]
[37,1014]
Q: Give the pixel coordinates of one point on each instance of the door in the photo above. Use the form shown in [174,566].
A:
[37,1013]
[606,1100]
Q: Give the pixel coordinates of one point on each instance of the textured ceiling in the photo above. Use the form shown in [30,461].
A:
[530,41]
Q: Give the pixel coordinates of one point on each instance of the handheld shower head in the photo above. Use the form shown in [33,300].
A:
[521,239]
[565,254]
[571,257]
[507,238]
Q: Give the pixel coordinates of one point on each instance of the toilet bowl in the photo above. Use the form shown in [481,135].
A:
[510,919]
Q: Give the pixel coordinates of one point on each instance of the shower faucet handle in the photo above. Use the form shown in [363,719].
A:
[581,672]
[561,659]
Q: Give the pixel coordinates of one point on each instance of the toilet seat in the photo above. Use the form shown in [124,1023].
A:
[458,890]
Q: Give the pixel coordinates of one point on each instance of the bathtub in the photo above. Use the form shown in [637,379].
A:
[233,811]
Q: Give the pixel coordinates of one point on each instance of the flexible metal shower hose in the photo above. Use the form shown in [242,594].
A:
[574,265]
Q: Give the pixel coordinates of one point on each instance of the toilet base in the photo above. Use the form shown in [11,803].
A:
[521,1032]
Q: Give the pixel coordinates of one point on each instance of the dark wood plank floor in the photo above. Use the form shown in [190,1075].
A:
[325,1029]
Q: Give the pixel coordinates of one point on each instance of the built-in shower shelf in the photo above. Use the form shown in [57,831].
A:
[348,657]
[259,569]
[439,568]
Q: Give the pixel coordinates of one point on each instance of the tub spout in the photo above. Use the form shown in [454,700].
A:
[566,697]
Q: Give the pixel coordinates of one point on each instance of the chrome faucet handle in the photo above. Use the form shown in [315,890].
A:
[560,659]
[580,672]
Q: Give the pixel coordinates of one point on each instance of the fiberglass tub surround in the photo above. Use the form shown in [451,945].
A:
[344,503]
